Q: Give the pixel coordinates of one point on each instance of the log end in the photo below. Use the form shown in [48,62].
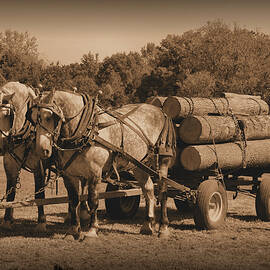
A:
[190,130]
[191,159]
[172,107]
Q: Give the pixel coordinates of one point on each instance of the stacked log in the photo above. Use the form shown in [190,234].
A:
[228,156]
[206,129]
[180,107]
[229,132]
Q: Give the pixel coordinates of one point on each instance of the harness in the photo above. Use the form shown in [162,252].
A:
[86,133]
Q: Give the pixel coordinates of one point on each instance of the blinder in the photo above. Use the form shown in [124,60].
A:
[57,112]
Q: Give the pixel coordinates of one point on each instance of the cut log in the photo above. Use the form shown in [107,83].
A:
[255,127]
[156,101]
[227,156]
[233,95]
[180,107]
[206,129]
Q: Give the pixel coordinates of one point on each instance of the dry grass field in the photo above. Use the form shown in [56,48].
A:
[243,242]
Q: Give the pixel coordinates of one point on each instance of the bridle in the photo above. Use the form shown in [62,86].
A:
[56,111]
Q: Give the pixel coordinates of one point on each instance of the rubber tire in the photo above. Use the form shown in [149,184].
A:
[183,207]
[262,202]
[210,189]
[122,207]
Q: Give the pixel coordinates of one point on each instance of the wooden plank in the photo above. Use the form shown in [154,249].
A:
[64,199]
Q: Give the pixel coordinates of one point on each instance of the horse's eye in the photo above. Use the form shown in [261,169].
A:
[47,115]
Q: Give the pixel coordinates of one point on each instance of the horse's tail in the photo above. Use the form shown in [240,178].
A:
[167,140]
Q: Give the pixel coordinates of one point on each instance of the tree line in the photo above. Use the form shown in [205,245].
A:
[215,58]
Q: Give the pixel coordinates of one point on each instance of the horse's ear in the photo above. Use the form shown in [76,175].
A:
[50,96]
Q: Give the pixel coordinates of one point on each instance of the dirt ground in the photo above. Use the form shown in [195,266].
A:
[243,242]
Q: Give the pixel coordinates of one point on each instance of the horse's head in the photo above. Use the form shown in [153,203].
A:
[14,100]
[48,118]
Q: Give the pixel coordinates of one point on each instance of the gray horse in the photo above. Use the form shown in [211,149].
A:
[17,147]
[85,140]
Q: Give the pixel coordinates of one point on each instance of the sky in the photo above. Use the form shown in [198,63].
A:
[66,30]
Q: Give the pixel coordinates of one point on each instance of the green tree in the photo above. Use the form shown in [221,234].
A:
[19,57]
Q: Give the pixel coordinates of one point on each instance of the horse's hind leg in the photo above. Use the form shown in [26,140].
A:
[147,186]
[73,195]
[164,221]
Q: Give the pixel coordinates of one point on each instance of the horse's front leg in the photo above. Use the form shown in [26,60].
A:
[73,196]
[12,174]
[39,176]
[164,221]
[84,211]
[147,186]
[93,202]
[84,215]
[11,192]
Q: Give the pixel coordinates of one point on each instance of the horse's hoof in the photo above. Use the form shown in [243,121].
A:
[69,237]
[74,232]
[147,229]
[92,233]
[7,225]
[41,227]
[164,234]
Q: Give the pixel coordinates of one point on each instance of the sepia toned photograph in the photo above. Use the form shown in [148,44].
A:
[134,135]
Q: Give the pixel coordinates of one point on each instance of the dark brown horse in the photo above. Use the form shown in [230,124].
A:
[73,129]
[17,147]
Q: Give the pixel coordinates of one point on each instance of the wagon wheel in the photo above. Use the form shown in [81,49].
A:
[262,202]
[122,207]
[211,205]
